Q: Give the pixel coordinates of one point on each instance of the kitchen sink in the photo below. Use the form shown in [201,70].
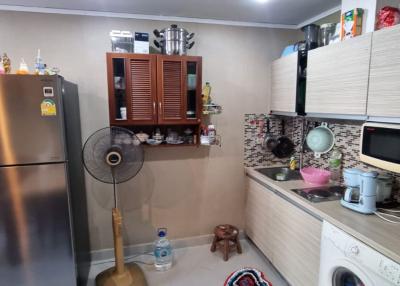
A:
[322,193]
[280,174]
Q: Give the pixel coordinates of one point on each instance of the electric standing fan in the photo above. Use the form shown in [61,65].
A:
[113,155]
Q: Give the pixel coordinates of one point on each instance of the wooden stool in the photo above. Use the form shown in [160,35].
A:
[226,238]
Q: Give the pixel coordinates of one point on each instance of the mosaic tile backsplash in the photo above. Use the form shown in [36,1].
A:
[347,137]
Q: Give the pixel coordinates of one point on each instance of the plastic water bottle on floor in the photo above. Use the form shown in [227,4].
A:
[162,251]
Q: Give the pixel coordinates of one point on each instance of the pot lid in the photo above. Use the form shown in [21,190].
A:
[370,174]
[174,27]
[328,25]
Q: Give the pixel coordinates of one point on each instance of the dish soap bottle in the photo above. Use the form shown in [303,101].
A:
[335,162]
[162,251]
[293,163]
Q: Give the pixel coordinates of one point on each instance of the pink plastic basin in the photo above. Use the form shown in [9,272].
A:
[315,176]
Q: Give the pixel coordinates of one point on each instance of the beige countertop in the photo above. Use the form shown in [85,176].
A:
[370,229]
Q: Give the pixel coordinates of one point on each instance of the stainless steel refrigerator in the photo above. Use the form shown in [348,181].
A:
[42,194]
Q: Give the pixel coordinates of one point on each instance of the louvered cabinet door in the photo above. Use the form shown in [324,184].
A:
[171,86]
[142,89]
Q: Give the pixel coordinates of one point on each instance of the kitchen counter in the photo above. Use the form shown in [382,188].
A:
[370,229]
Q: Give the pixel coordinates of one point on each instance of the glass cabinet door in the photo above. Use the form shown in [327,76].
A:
[191,90]
[120,98]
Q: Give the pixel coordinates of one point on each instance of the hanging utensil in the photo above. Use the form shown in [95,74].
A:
[285,146]
[270,141]
[320,140]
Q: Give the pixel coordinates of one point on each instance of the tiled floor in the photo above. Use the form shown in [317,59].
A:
[197,266]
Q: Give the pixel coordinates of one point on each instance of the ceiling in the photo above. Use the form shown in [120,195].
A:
[277,12]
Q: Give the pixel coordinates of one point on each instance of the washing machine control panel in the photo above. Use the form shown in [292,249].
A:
[389,270]
[363,255]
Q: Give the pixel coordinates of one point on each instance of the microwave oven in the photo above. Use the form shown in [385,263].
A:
[380,145]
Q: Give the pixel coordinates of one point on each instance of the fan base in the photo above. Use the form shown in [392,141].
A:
[132,276]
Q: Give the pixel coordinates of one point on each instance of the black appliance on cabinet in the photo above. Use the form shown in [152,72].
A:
[311,33]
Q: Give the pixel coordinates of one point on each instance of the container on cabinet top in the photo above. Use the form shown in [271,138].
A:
[121,41]
[141,45]
[352,23]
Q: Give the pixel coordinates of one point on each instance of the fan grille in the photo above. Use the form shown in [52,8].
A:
[113,139]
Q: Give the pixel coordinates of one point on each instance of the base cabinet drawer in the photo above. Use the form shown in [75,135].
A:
[287,235]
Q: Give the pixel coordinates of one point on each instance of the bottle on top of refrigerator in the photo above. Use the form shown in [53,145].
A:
[23,68]
[162,251]
[39,66]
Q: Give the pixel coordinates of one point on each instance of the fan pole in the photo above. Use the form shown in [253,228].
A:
[117,231]
[118,243]
[115,192]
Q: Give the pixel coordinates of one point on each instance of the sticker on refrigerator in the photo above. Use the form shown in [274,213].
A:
[48,91]
[48,107]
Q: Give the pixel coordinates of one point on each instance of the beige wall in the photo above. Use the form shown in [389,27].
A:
[333,18]
[189,190]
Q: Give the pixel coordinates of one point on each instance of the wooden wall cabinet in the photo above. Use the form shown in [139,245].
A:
[384,81]
[337,77]
[287,235]
[284,83]
[154,89]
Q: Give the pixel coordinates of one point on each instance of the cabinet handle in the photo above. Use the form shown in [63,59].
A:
[159,106]
[154,107]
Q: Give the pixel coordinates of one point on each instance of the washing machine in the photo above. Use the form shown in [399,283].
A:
[346,261]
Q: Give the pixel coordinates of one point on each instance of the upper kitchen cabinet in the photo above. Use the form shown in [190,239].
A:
[337,77]
[179,89]
[284,84]
[384,83]
[154,89]
[132,88]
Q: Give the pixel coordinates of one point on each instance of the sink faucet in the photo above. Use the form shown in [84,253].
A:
[304,131]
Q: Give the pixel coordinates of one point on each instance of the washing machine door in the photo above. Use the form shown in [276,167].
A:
[345,277]
[343,272]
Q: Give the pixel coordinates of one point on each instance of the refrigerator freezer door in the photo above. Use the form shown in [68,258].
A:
[31,120]
[35,236]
